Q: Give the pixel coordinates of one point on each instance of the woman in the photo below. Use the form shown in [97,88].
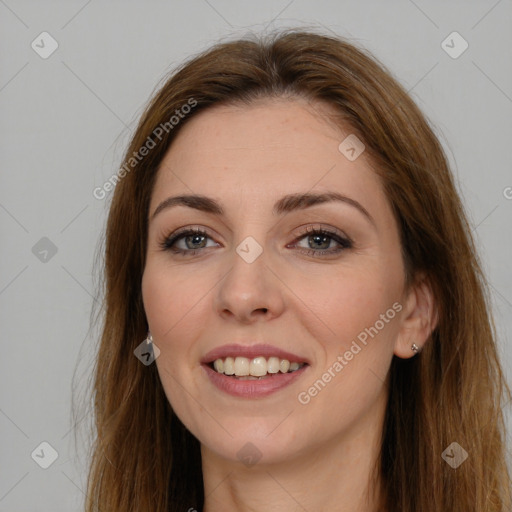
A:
[287,257]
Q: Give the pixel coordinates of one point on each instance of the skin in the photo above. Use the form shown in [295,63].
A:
[314,456]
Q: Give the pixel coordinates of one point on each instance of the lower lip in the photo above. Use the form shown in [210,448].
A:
[252,388]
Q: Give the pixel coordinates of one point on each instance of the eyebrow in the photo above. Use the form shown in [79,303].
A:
[286,204]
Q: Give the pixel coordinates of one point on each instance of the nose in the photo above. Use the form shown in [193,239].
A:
[249,291]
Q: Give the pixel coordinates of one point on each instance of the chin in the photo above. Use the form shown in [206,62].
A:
[249,450]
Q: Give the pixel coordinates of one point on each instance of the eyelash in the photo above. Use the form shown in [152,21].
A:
[167,243]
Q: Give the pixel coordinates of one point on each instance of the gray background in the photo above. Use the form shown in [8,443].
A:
[66,120]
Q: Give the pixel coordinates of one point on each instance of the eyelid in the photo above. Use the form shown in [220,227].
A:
[173,236]
[316,226]
[343,240]
[311,227]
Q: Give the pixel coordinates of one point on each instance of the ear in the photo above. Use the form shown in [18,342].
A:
[419,318]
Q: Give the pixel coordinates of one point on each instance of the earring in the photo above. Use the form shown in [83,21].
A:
[415,348]
[149,339]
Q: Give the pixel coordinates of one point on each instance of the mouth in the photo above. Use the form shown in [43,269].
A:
[252,371]
[257,368]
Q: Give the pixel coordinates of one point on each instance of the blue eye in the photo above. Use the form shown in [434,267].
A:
[190,236]
[321,236]
[196,239]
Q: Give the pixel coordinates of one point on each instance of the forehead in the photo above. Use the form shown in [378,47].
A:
[271,147]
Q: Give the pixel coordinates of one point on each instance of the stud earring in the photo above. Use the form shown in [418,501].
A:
[415,348]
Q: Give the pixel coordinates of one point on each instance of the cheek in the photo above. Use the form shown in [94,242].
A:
[359,307]
[349,301]
[172,298]
[174,309]
[177,302]
[361,312]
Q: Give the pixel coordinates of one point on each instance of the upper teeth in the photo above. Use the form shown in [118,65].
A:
[257,367]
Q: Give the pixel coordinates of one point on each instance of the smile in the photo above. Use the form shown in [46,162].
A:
[248,370]
[256,368]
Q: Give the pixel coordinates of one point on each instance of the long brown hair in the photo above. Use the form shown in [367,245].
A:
[143,458]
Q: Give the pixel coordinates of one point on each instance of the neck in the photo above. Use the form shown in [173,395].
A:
[329,476]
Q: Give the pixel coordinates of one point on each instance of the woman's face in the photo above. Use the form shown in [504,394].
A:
[262,290]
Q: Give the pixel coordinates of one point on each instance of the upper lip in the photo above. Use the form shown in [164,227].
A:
[251,351]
